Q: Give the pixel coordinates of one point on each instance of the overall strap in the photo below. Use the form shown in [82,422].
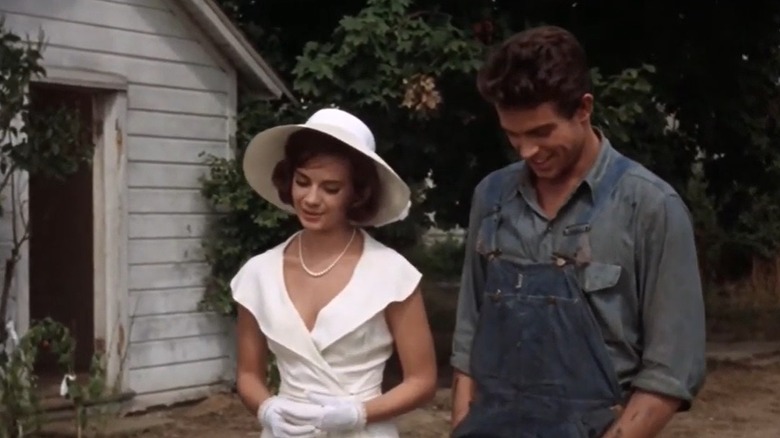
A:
[497,185]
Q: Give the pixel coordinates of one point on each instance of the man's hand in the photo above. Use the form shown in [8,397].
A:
[644,417]
[462,394]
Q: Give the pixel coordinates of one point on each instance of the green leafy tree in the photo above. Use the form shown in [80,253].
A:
[410,74]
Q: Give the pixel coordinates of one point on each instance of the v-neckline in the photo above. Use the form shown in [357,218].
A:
[286,293]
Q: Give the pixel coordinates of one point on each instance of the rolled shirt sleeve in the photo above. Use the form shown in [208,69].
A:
[672,306]
[472,281]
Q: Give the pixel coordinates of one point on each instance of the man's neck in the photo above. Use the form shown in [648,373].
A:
[552,195]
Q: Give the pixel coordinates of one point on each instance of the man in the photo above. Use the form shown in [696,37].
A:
[581,310]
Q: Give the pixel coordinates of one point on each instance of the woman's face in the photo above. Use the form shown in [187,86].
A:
[322,192]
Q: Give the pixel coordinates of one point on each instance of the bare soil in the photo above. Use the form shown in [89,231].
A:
[740,399]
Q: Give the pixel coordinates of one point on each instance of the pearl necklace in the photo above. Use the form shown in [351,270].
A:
[332,265]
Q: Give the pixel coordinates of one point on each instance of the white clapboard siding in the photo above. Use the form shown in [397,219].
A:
[179,97]
[169,125]
[167,276]
[174,351]
[167,201]
[154,98]
[178,376]
[156,328]
[141,71]
[172,150]
[169,176]
[161,302]
[153,4]
[167,226]
[100,39]
[165,251]
[107,14]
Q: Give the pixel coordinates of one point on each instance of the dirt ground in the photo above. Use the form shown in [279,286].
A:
[739,399]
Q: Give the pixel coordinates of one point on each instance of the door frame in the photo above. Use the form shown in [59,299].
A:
[110,220]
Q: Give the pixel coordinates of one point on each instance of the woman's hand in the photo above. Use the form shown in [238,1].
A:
[329,414]
[277,415]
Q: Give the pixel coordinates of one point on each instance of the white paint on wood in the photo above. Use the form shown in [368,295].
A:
[153,4]
[176,125]
[181,97]
[169,176]
[19,302]
[100,39]
[167,226]
[161,302]
[167,276]
[172,150]
[200,34]
[77,77]
[165,251]
[152,98]
[156,328]
[111,15]
[167,201]
[232,116]
[179,350]
[111,300]
[178,376]
[139,70]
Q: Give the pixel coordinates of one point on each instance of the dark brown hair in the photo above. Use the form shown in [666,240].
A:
[536,66]
[304,145]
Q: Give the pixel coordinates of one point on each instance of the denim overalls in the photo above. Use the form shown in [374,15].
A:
[539,360]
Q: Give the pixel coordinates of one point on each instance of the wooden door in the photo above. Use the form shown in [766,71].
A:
[61,238]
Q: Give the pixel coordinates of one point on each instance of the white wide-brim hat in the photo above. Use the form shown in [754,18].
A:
[267,149]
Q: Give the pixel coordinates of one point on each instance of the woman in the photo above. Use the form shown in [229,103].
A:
[330,302]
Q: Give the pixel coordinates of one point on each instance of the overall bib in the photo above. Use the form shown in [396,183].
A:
[539,360]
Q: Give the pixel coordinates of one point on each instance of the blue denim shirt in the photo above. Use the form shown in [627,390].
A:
[642,282]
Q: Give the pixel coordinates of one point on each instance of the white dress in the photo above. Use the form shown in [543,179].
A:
[346,351]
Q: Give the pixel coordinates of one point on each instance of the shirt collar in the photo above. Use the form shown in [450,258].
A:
[592,178]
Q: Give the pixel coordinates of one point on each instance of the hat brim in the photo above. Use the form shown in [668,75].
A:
[266,149]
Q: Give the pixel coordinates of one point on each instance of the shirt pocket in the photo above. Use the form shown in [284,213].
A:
[599,283]
[598,277]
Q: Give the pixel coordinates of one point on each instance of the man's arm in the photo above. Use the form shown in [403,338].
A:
[466,318]
[673,357]
[462,394]
[645,416]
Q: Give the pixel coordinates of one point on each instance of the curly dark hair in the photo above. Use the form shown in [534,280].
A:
[539,65]
[306,144]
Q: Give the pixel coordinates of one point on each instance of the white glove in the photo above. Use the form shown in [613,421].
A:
[270,416]
[335,414]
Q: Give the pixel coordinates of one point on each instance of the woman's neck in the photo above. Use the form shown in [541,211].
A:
[324,243]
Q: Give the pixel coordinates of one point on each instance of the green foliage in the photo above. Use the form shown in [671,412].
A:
[249,226]
[372,54]
[384,64]
[20,410]
[442,260]
[404,73]
[410,76]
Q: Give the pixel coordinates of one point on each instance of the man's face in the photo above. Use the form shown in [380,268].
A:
[550,144]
